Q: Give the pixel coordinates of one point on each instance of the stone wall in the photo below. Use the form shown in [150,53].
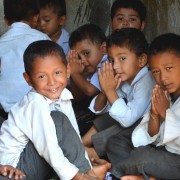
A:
[162,15]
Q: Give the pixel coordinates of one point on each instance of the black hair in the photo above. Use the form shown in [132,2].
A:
[91,32]
[58,6]
[136,5]
[18,10]
[168,42]
[41,48]
[131,38]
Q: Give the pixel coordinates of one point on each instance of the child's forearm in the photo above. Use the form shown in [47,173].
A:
[112,96]
[100,102]
[154,124]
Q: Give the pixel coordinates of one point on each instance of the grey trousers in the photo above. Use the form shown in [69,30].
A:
[107,127]
[36,168]
[145,160]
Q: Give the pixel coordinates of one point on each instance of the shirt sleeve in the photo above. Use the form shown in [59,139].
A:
[171,137]
[128,114]
[41,131]
[140,135]
[102,111]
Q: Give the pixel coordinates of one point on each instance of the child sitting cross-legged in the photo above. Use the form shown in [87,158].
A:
[126,85]
[41,133]
[154,149]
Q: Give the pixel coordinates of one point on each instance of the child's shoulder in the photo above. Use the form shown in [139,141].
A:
[144,79]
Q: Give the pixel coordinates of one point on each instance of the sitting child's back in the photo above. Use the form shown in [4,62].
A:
[21,15]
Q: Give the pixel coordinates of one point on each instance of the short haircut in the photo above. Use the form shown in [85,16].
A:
[168,42]
[136,5]
[41,48]
[91,32]
[58,6]
[131,38]
[18,10]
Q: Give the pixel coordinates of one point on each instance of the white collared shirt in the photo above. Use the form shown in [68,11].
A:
[12,45]
[63,41]
[138,96]
[168,135]
[30,119]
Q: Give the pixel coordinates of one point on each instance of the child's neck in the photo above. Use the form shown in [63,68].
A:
[56,36]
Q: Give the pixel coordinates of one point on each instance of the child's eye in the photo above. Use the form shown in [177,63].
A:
[155,72]
[47,20]
[122,58]
[110,60]
[41,76]
[132,19]
[86,53]
[120,18]
[58,72]
[168,68]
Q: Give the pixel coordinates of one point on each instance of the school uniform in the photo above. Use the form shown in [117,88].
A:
[63,40]
[134,100]
[157,156]
[13,44]
[35,139]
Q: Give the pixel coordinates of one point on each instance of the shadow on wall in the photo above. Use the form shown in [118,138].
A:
[89,11]
[162,16]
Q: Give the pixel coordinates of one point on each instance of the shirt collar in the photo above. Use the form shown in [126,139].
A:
[104,58]
[20,25]
[140,74]
[65,95]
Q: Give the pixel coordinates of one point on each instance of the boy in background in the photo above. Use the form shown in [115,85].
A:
[88,53]
[126,85]
[21,16]
[41,133]
[128,13]
[154,149]
[52,18]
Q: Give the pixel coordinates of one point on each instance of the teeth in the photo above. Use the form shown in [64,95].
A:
[53,90]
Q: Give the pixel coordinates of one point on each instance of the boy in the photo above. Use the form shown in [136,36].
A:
[155,146]
[52,18]
[20,15]
[36,138]
[128,13]
[10,172]
[126,87]
[88,52]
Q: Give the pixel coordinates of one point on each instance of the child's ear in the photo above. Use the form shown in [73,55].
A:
[143,25]
[68,71]
[6,21]
[27,78]
[62,20]
[103,47]
[142,60]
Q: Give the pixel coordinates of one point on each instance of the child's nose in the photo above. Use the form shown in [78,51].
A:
[51,80]
[125,23]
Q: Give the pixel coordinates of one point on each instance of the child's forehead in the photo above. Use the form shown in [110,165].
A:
[86,43]
[163,59]
[127,11]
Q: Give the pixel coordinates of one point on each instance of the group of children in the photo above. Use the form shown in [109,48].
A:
[132,88]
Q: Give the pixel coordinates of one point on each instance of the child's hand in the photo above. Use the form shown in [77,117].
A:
[107,79]
[75,63]
[9,171]
[160,102]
